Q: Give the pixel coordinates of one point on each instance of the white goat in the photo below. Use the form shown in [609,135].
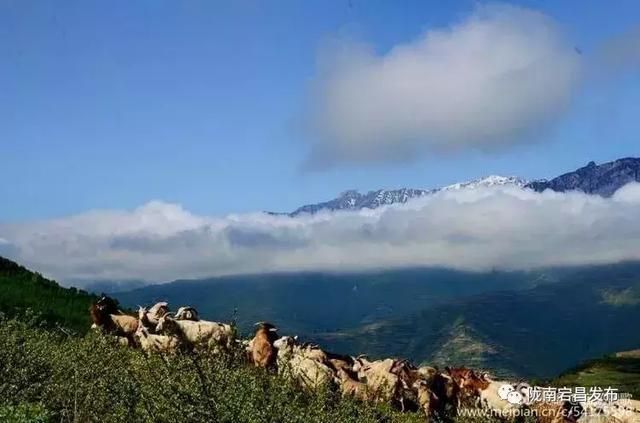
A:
[200,333]
[497,396]
[187,313]
[150,342]
[382,383]
[292,363]
[156,311]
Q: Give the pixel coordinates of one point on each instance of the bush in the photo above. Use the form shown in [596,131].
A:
[49,376]
[32,413]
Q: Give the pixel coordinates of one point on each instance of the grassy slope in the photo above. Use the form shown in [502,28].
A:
[21,289]
[41,373]
[49,376]
[618,372]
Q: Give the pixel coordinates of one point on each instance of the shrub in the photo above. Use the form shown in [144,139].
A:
[22,413]
[49,376]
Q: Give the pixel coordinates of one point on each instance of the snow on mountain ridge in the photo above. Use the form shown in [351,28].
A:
[354,200]
[488,181]
[603,179]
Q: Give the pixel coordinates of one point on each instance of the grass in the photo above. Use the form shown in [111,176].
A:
[617,372]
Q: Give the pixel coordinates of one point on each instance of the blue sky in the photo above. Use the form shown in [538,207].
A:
[110,105]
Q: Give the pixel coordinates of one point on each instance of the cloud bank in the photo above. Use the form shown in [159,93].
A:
[478,229]
[485,83]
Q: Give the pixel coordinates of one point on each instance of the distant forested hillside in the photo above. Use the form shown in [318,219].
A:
[21,289]
[312,302]
[532,324]
[587,313]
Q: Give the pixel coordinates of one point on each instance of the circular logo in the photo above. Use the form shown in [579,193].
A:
[504,390]
[515,397]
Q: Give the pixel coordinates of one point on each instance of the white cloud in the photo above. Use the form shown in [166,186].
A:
[486,83]
[479,229]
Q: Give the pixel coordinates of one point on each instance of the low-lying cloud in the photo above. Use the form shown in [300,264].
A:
[485,83]
[480,229]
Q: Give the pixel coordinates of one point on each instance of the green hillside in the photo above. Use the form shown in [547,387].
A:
[44,370]
[47,375]
[622,372]
[22,290]
[537,332]
[312,302]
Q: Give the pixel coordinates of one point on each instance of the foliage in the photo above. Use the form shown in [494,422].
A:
[21,290]
[48,373]
[25,412]
[48,376]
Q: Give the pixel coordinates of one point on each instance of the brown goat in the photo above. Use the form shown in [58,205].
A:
[351,387]
[427,400]
[469,383]
[105,315]
[263,353]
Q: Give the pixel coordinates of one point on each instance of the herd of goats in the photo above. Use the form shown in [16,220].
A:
[439,394]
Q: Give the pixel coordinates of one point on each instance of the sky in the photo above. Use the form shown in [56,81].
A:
[141,140]
[207,104]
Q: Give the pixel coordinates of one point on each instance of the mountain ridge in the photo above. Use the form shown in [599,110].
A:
[354,200]
[603,179]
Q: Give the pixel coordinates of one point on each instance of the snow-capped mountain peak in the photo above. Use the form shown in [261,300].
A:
[488,181]
[354,200]
[603,179]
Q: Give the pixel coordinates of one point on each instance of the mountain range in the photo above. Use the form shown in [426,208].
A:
[526,323]
[603,179]
[533,323]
